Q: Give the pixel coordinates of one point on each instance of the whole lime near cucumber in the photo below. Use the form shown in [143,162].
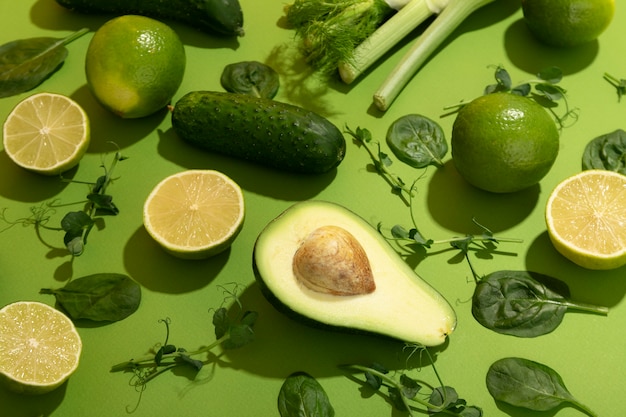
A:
[567,23]
[134,65]
[503,142]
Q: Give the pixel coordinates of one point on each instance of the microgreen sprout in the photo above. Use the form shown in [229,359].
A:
[618,83]
[380,160]
[230,333]
[76,224]
[413,395]
[411,239]
[544,90]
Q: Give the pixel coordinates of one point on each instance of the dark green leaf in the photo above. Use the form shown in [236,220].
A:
[418,238]
[197,364]
[364,134]
[384,159]
[302,396]
[503,81]
[221,322]
[103,202]
[399,232]
[163,350]
[550,91]
[251,78]
[249,318]
[410,387]
[462,244]
[395,397]
[76,222]
[101,182]
[373,380]
[520,303]
[606,152]
[98,297]
[239,335]
[26,63]
[525,383]
[444,397]
[417,141]
[522,89]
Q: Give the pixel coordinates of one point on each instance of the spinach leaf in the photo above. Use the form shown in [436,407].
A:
[302,396]
[251,78]
[529,384]
[417,141]
[606,152]
[98,297]
[523,303]
[26,63]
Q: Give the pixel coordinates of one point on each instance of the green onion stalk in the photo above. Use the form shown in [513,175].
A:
[392,31]
[330,30]
[433,36]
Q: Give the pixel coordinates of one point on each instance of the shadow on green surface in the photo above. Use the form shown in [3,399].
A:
[251,177]
[21,405]
[26,186]
[148,264]
[453,203]
[530,55]
[109,131]
[306,348]
[604,288]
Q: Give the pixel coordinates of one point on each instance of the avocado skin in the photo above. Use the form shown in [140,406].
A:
[223,17]
[260,130]
[421,315]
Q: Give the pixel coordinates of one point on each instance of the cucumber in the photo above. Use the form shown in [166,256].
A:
[223,17]
[260,130]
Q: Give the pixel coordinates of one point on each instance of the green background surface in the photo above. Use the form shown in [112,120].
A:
[587,350]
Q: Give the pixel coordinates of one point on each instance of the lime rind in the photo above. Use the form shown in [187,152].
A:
[574,252]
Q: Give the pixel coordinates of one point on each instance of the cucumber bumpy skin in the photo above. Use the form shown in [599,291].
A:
[221,17]
[260,130]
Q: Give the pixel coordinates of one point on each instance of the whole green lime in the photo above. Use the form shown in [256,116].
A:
[503,142]
[134,65]
[567,23]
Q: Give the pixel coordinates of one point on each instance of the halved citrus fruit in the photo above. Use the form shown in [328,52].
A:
[39,347]
[46,133]
[195,214]
[586,219]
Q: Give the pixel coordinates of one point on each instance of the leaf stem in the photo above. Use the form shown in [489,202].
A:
[588,308]
[148,361]
[435,34]
[75,35]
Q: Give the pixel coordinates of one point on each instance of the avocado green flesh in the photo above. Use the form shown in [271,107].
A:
[403,306]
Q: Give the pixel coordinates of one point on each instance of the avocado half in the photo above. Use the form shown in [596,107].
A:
[402,306]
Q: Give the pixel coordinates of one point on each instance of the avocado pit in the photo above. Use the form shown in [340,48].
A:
[330,260]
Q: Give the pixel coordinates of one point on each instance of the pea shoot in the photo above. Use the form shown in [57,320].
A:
[411,240]
[230,333]
[413,395]
[76,224]
[544,89]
